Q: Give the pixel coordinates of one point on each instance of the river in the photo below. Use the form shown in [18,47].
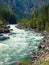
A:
[19,47]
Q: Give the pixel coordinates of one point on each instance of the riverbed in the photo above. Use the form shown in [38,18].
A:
[19,46]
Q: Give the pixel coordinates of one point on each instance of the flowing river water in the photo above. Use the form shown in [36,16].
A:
[19,47]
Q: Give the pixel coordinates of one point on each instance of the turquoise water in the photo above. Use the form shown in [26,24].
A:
[19,46]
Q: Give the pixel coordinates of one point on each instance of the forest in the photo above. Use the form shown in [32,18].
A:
[39,20]
[6,17]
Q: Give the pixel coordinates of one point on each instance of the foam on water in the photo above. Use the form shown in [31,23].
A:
[19,46]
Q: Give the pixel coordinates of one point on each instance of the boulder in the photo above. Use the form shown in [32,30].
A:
[47,48]
[5,28]
[2,37]
[41,46]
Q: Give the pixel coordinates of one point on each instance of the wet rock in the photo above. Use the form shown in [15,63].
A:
[47,48]
[41,47]
[5,29]
[2,37]
[44,40]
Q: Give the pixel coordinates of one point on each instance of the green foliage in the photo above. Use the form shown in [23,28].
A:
[24,22]
[1,22]
[1,30]
[39,21]
[7,16]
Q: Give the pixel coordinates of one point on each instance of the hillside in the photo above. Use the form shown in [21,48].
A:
[38,21]
[23,8]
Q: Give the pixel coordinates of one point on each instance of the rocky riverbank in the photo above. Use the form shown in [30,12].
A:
[4,29]
[42,53]
[43,49]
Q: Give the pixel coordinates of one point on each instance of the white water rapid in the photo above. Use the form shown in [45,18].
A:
[20,45]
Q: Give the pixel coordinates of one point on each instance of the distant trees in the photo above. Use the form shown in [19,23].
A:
[44,16]
[1,22]
[7,16]
[24,22]
[40,20]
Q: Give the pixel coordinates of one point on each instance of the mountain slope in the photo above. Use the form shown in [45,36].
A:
[23,8]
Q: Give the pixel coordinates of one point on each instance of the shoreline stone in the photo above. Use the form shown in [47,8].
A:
[43,47]
[5,29]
